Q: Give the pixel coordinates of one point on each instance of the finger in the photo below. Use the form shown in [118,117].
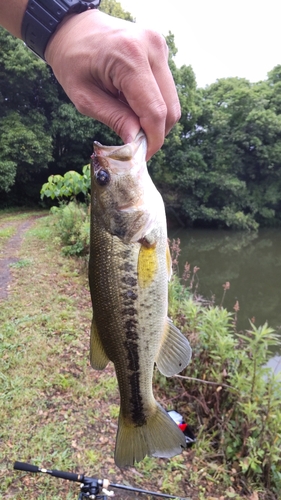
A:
[165,81]
[151,93]
[106,108]
[145,100]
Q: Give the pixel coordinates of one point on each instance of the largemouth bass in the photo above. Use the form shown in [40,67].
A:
[129,269]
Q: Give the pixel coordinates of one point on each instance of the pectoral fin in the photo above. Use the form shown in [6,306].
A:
[175,351]
[98,357]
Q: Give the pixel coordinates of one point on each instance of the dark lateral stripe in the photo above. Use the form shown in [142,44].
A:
[136,405]
[130,322]
[130,281]
[138,414]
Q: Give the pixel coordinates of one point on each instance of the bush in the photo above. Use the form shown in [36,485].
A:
[68,186]
[72,227]
[235,397]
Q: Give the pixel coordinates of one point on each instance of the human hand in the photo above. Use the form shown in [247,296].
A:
[116,72]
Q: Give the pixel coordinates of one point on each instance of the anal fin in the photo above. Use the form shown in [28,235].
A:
[175,351]
[98,357]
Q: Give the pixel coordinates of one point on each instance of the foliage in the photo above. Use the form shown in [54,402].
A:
[41,132]
[25,147]
[223,166]
[72,228]
[219,166]
[114,8]
[235,397]
[68,186]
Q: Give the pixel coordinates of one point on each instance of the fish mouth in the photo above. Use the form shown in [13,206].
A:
[124,153]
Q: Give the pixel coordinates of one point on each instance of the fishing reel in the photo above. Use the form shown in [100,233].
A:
[184,427]
[91,488]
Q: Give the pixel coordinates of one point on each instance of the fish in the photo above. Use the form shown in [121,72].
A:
[129,269]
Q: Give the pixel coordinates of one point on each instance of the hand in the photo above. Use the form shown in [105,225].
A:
[116,72]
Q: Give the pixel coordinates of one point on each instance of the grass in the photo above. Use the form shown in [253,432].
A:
[5,234]
[47,386]
[11,220]
[55,411]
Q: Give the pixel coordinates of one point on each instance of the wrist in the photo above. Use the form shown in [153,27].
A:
[55,45]
[11,14]
[42,18]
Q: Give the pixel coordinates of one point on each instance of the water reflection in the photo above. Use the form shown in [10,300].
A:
[275,364]
[251,262]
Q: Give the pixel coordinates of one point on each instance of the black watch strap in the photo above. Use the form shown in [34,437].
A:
[42,17]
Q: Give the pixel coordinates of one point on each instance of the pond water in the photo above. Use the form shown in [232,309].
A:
[250,262]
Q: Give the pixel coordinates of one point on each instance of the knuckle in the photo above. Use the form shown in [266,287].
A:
[158,111]
[158,42]
[80,104]
[173,115]
[116,121]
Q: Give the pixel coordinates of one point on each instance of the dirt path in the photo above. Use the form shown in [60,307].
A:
[9,253]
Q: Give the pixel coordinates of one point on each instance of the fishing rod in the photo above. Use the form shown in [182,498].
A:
[91,488]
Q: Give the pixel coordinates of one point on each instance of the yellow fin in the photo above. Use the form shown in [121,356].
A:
[98,357]
[175,351]
[169,261]
[147,265]
[158,437]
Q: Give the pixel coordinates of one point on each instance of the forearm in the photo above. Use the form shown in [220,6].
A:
[11,14]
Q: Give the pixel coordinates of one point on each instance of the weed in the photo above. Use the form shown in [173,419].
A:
[72,228]
[21,263]
[239,406]
[114,411]
[7,232]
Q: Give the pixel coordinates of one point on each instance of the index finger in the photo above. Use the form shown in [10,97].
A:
[150,92]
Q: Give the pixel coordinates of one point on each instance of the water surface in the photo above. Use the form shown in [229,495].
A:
[250,262]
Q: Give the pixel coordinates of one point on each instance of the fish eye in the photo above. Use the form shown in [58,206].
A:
[102,177]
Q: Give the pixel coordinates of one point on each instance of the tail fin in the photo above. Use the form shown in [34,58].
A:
[159,437]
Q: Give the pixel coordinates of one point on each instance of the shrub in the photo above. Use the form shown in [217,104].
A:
[234,396]
[68,186]
[72,227]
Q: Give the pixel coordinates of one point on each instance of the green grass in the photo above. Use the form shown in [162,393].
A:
[5,234]
[19,214]
[55,410]
[47,387]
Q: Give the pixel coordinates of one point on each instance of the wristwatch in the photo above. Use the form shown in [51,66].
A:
[42,17]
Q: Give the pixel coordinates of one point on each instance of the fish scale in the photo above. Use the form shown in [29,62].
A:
[123,316]
[129,269]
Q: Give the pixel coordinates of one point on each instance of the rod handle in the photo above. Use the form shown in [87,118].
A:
[26,467]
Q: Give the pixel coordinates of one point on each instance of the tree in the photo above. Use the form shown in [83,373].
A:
[25,145]
[41,132]
[114,8]
[224,168]
[220,165]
